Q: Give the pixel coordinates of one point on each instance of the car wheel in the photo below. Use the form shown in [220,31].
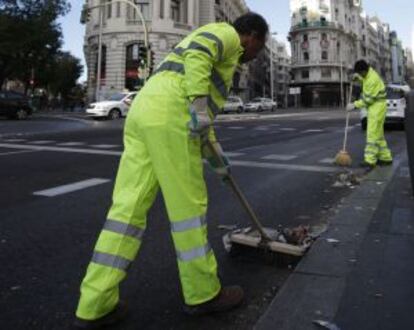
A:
[114,114]
[259,109]
[22,114]
[239,110]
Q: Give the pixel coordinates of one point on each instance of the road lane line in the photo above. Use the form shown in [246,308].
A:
[235,127]
[234,154]
[60,190]
[280,157]
[292,167]
[327,161]
[70,144]
[288,129]
[17,152]
[14,140]
[40,142]
[59,149]
[105,146]
[314,131]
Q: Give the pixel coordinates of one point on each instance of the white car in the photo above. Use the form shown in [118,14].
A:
[115,107]
[233,104]
[396,106]
[260,104]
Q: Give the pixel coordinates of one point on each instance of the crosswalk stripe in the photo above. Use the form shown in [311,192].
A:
[60,190]
[234,154]
[14,140]
[288,129]
[314,131]
[280,157]
[235,127]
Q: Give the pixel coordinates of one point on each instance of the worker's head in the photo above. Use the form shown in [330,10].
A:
[253,31]
[361,67]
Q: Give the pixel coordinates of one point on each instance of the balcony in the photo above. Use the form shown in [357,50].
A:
[316,25]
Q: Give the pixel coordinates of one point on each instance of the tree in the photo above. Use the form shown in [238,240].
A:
[29,36]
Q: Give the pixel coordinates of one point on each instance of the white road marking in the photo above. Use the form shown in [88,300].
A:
[14,140]
[105,146]
[288,129]
[280,157]
[16,152]
[41,142]
[59,149]
[234,154]
[327,161]
[305,168]
[70,144]
[292,167]
[314,131]
[60,190]
[235,127]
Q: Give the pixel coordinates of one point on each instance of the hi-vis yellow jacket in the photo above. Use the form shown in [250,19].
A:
[373,91]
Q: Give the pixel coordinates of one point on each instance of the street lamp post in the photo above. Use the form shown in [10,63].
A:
[101,13]
[271,67]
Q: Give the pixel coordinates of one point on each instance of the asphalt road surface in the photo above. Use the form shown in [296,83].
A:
[57,175]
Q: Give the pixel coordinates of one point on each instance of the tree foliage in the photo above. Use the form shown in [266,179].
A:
[31,38]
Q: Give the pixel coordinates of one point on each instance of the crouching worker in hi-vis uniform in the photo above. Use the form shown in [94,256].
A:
[374,101]
[163,149]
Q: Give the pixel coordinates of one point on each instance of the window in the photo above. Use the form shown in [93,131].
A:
[179,11]
[306,56]
[109,10]
[161,8]
[118,9]
[305,74]
[324,55]
[103,64]
[326,73]
[143,6]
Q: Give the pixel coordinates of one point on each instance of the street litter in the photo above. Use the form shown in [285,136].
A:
[347,179]
[326,325]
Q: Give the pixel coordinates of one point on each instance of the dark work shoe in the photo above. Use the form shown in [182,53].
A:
[228,298]
[385,162]
[117,315]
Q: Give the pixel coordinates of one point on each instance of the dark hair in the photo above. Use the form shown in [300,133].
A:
[361,66]
[252,23]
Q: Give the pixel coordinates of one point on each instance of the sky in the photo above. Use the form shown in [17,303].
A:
[396,13]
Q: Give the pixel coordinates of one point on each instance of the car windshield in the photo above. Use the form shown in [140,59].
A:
[394,94]
[256,100]
[117,97]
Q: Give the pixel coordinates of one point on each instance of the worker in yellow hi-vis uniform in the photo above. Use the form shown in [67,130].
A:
[163,150]
[374,101]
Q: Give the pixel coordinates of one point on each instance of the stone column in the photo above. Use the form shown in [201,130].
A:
[167,9]
[156,10]
[190,10]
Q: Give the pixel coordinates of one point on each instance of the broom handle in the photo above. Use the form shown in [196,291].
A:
[347,118]
[243,200]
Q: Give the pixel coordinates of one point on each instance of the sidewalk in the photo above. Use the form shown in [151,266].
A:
[365,280]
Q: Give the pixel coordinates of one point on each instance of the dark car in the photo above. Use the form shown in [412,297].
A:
[14,105]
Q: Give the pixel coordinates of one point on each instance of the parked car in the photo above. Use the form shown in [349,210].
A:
[396,106]
[233,104]
[15,105]
[115,107]
[260,104]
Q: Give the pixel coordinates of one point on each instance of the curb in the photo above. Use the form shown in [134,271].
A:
[315,288]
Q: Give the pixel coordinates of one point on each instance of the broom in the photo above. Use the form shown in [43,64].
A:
[343,158]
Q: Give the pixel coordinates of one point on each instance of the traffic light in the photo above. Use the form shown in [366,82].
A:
[85,14]
[142,55]
[151,61]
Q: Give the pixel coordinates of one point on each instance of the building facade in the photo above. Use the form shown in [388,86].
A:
[168,22]
[323,36]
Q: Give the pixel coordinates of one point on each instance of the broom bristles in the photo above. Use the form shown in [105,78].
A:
[343,158]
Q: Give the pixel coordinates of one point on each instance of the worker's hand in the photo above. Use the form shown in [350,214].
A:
[216,158]
[350,107]
[200,119]
[356,77]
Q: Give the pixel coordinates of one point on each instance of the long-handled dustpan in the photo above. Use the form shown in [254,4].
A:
[256,236]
